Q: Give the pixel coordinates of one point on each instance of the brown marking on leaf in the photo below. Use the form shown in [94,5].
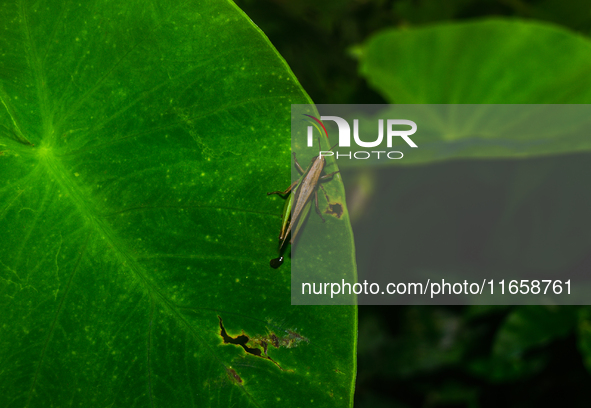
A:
[274,340]
[335,209]
[239,340]
[291,339]
[264,344]
[258,346]
[242,340]
[234,375]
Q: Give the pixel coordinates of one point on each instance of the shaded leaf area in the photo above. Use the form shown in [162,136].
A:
[465,131]
[318,39]
[138,141]
[468,219]
[327,32]
[528,218]
[584,335]
[451,356]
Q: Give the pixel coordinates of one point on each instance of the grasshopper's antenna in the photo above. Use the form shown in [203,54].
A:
[320,148]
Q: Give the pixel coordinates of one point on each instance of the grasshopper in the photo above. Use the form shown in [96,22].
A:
[297,205]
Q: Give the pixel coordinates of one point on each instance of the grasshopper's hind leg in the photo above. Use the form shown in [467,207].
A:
[317,207]
[286,191]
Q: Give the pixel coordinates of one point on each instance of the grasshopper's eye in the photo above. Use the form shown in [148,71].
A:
[276,262]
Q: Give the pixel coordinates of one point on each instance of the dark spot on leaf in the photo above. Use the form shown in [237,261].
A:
[240,340]
[234,375]
[258,346]
[291,339]
[264,344]
[274,340]
[335,209]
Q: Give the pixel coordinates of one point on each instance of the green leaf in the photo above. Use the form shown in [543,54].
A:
[138,142]
[533,326]
[584,335]
[484,62]
[490,61]
[525,329]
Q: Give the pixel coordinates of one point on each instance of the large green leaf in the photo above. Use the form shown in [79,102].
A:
[488,61]
[138,141]
[484,62]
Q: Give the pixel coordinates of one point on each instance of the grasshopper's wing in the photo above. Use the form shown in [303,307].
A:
[305,189]
[287,208]
[299,217]
[301,220]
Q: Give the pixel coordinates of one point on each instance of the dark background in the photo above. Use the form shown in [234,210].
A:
[454,356]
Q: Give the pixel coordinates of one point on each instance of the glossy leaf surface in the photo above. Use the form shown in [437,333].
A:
[138,142]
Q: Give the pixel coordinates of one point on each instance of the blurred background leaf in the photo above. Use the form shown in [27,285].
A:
[484,62]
